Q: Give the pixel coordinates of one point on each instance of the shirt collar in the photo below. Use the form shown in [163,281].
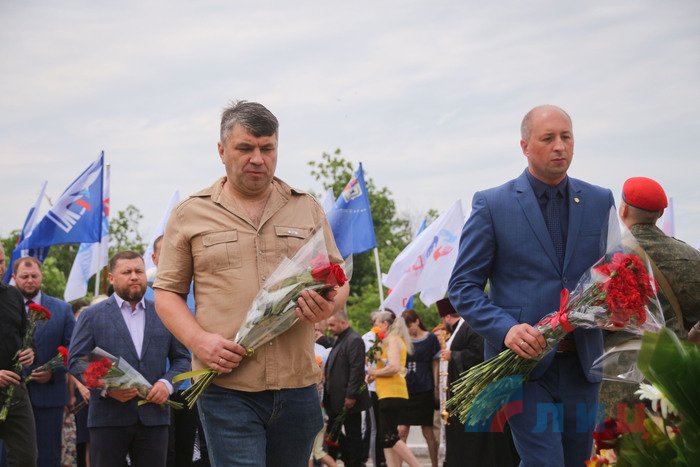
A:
[540,187]
[36,298]
[141,305]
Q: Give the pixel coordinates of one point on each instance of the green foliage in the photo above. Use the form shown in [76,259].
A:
[124,231]
[54,282]
[393,233]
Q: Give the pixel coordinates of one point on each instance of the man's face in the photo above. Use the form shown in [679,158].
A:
[2,262]
[129,279]
[336,326]
[155,256]
[449,322]
[250,161]
[28,279]
[550,148]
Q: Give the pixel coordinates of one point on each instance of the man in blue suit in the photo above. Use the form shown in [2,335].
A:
[530,238]
[47,390]
[127,326]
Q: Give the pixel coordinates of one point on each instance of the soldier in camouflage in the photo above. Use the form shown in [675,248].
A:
[643,203]
[677,269]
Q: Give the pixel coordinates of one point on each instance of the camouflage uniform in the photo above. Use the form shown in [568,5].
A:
[680,263]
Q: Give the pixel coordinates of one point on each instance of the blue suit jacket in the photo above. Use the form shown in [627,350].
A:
[48,336]
[102,325]
[505,241]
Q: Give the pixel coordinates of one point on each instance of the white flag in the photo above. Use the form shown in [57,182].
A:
[328,200]
[150,267]
[91,257]
[667,221]
[425,265]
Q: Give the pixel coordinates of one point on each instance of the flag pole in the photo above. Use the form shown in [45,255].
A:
[379,279]
[99,248]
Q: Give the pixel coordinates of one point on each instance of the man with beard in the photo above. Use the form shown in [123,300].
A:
[463,350]
[127,326]
[47,390]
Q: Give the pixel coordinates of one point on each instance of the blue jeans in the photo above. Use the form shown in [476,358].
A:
[268,428]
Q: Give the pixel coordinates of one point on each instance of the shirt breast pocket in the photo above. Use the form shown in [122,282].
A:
[290,239]
[221,250]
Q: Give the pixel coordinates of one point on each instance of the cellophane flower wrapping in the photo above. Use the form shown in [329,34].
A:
[272,311]
[106,371]
[617,293]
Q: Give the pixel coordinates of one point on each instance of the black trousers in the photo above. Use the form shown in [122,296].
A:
[18,430]
[183,426]
[351,444]
[147,446]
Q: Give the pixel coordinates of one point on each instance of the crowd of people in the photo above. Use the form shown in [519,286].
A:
[527,239]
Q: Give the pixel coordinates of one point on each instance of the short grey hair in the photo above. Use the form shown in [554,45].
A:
[254,117]
[526,124]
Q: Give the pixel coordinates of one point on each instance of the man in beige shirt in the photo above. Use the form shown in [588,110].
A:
[262,409]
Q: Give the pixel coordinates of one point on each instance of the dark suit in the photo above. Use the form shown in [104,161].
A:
[49,399]
[505,241]
[345,374]
[482,449]
[102,325]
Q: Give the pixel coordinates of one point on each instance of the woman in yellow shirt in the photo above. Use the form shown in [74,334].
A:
[392,391]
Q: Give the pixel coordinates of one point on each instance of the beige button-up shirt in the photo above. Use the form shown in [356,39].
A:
[211,239]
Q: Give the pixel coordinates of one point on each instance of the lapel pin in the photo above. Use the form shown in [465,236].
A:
[576,199]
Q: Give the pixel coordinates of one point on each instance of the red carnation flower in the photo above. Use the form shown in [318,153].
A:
[64,353]
[39,313]
[95,372]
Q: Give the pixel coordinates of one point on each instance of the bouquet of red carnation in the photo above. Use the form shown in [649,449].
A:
[58,360]
[106,371]
[37,314]
[273,309]
[617,293]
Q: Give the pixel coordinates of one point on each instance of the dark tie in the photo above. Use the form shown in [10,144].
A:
[26,308]
[553,220]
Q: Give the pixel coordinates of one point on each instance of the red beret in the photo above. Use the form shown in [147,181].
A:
[644,193]
[445,308]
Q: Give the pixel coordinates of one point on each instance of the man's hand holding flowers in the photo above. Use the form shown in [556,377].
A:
[525,341]
[221,355]
[158,394]
[26,356]
[314,306]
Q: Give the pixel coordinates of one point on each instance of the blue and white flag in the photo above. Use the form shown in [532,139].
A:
[91,257]
[426,263]
[77,215]
[421,228]
[351,218]
[26,230]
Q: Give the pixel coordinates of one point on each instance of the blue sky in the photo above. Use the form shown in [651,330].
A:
[428,95]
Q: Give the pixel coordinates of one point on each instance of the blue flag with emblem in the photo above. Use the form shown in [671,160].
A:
[76,217]
[351,218]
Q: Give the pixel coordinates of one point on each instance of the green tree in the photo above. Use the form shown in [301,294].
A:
[392,232]
[124,231]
